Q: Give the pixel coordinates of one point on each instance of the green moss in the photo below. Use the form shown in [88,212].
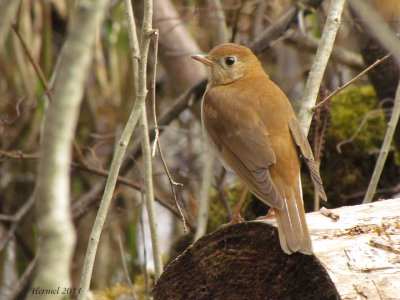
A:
[349,110]
[356,118]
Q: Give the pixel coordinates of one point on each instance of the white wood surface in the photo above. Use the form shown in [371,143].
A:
[361,250]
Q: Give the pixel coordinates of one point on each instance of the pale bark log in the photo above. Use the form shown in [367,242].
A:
[361,250]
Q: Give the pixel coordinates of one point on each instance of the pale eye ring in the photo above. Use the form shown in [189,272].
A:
[230,60]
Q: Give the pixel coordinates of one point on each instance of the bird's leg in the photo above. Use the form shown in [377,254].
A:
[236,217]
[270,215]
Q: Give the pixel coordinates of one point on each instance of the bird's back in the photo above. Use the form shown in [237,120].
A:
[252,124]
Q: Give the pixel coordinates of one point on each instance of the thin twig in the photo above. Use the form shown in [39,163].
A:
[8,218]
[387,191]
[321,119]
[25,278]
[132,184]
[16,106]
[370,115]
[79,153]
[341,88]
[339,54]
[45,85]
[16,218]
[268,35]
[156,142]
[385,148]
[19,155]
[36,67]
[125,266]
[84,167]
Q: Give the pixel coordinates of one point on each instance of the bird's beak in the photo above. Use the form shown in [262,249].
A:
[202,58]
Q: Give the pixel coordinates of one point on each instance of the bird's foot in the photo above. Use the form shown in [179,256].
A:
[270,215]
[236,219]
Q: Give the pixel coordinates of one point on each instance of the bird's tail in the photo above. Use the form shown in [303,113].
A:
[292,226]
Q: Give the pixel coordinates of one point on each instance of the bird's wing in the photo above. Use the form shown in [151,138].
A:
[305,149]
[249,153]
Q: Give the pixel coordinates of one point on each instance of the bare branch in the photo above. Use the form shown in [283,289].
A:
[53,190]
[207,177]
[156,142]
[145,141]
[320,61]
[25,277]
[272,32]
[339,54]
[16,218]
[120,151]
[37,68]
[79,207]
[125,266]
[149,195]
[341,88]
[385,149]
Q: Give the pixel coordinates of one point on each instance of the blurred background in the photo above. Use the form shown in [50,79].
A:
[346,133]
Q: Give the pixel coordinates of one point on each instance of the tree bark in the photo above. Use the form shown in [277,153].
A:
[57,235]
[356,257]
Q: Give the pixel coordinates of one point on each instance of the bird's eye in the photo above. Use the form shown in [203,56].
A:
[230,60]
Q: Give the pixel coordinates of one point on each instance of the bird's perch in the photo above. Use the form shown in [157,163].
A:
[356,257]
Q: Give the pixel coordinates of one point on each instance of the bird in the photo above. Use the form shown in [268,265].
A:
[255,131]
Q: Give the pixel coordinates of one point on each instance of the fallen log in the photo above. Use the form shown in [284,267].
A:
[357,256]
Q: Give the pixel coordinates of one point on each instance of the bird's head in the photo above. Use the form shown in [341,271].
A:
[227,63]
